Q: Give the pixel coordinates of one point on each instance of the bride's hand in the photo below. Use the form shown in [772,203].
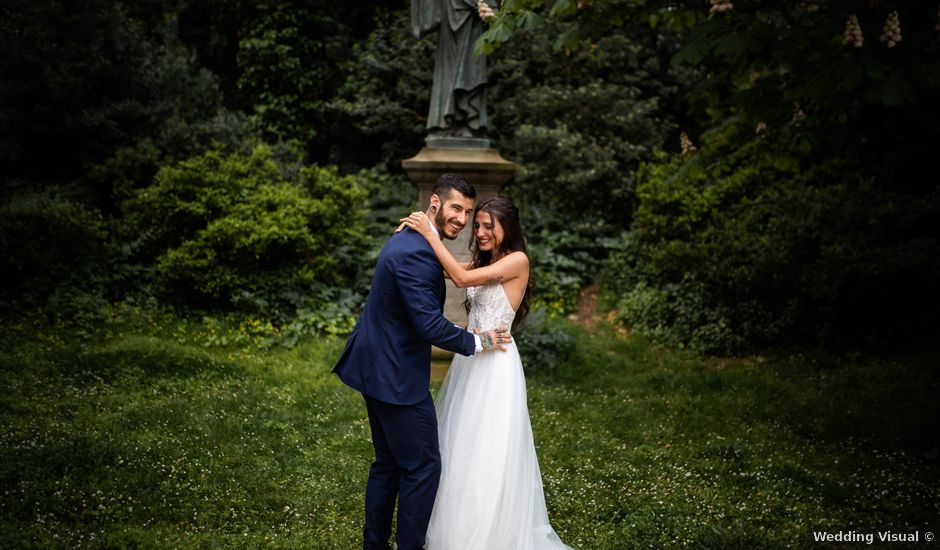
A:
[419,221]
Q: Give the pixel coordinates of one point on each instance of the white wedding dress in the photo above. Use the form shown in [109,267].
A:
[490,495]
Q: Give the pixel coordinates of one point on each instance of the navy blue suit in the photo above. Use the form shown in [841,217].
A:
[388,358]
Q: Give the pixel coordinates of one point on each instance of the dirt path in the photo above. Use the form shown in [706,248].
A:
[586,314]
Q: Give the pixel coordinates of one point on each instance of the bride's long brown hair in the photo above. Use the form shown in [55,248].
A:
[507,214]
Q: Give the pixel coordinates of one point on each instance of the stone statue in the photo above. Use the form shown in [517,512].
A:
[457,115]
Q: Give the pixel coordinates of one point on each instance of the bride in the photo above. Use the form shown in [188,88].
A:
[490,494]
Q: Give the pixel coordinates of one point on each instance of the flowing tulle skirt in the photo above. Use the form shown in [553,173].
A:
[490,495]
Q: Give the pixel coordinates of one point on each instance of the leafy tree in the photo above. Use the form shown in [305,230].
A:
[804,216]
[101,95]
[290,57]
[771,62]
[70,92]
[580,123]
[383,102]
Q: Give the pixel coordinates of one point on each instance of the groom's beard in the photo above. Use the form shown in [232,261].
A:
[441,223]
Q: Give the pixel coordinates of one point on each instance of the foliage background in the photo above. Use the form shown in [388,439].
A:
[224,157]
[802,218]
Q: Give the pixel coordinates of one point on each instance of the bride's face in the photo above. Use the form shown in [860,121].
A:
[488,231]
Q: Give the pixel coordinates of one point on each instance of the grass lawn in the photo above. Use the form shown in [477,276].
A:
[152,433]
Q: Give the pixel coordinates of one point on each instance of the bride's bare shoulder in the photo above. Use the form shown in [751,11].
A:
[518,255]
[516,258]
[515,264]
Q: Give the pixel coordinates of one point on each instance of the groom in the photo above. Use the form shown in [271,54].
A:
[388,357]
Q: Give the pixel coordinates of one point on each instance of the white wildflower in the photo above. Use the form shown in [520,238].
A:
[892,30]
[853,32]
[686,143]
[485,11]
[721,6]
[798,113]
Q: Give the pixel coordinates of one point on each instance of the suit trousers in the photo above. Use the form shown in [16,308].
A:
[407,466]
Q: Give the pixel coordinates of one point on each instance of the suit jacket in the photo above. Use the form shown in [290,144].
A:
[388,354]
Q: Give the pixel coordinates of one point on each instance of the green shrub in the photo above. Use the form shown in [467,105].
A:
[47,240]
[389,198]
[254,232]
[561,264]
[545,343]
[576,159]
[577,163]
[746,246]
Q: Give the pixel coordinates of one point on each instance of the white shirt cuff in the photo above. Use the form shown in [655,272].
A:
[477,343]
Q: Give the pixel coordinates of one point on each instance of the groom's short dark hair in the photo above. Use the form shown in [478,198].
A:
[447,182]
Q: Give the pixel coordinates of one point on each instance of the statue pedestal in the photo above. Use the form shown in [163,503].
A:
[487,171]
[484,168]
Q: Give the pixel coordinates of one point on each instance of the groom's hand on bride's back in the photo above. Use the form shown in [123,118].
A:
[494,339]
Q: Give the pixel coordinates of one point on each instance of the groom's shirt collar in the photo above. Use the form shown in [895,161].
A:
[434,229]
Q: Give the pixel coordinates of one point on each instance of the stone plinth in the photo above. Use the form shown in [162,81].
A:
[487,171]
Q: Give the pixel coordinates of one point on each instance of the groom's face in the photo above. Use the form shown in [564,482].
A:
[454,211]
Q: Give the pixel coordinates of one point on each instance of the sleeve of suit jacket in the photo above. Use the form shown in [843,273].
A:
[416,277]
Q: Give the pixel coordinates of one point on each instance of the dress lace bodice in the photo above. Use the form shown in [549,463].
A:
[489,307]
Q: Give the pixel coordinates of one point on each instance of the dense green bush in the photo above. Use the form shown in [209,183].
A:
[739,246]
[577,162]
[545,343]
[255,232]
[292,60]
[47,239]
[389,197]
[382,104]
[575,158]
[562,257]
